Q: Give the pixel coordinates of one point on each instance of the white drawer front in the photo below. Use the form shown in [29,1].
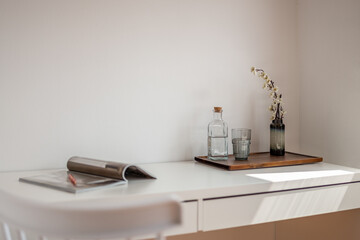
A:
[261,208]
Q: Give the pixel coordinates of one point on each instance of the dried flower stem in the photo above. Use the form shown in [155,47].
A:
[277,105]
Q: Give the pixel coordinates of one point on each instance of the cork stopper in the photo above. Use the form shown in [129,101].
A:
[217,109]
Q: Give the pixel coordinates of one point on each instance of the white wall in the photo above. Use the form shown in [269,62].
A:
[329,38]
[135,81]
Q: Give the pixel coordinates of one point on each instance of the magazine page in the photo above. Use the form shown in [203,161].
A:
[60,180]
[106,168]
[95,167]
[132,171]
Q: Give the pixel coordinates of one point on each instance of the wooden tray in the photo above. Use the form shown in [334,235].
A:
[260,160]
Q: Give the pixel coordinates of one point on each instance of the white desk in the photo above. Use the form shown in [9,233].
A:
[217,199]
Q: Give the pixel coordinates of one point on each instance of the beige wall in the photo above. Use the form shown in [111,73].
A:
[136,81]
[329,37]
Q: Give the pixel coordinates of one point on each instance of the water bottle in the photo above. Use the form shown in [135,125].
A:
[217,137]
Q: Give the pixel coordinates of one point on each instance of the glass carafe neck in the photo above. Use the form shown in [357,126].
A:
[217,115]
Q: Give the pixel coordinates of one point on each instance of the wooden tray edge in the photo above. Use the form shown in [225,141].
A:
[218,165]
[311,159]
[275,164]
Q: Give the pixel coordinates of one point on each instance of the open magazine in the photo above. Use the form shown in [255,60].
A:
[85,174]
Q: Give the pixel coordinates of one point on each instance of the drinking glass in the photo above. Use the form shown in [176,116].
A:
[241,140]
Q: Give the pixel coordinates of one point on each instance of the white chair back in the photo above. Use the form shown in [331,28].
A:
[90,219]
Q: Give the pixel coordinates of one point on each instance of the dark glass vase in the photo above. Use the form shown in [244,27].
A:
[277,137]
